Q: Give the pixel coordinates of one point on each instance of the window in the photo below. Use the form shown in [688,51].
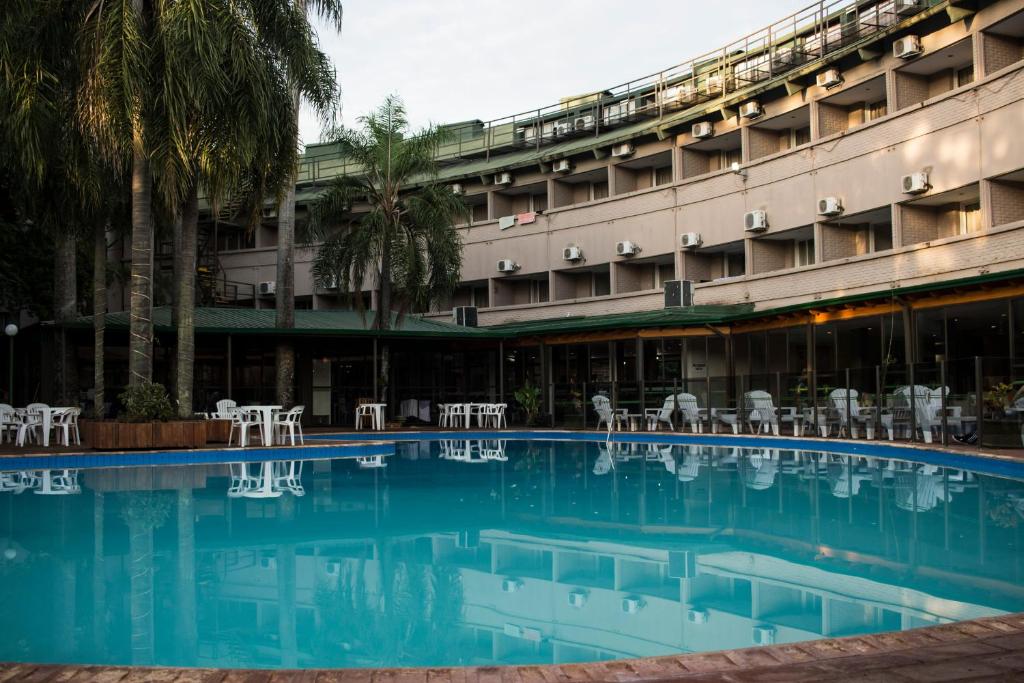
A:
[602,283]
[666,271]
[964,76]
[599,190]
[801,136]
[731,156]
[970,218]
[479,212]
[874,110]
[804,252]
[663,175]
[734,265]
[880,237]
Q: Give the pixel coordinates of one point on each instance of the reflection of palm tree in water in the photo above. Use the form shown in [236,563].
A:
[392,614]
[143,511]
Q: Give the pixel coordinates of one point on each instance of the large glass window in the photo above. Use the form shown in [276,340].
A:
[858,343]
[931,334]
[978,329]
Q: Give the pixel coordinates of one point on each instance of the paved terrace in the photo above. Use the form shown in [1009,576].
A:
[988,649]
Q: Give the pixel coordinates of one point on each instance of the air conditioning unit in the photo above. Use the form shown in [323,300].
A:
[572,254]
[585,122]
[561,166]
[626,248]
[755,221]
[623,149]
[632,605]
[830,206]
[577,598]
[829,78]
[906,7]
[268,288]
[510,585]
[507,265]
[751,110]
[268,562]
[714,83]
[764,635]
[915,183]
[697,616]
[907,47]
[678,293]
[690,240]
[564,127]
[503,178]
[702,130]
[332,568]
[465,316]
[457,188]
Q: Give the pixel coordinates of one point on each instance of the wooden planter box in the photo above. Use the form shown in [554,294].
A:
[113,435]
[218,431]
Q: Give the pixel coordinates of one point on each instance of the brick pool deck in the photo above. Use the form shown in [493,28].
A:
[988,649]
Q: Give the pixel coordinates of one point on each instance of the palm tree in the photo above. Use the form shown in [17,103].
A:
[284,299]
[405,245]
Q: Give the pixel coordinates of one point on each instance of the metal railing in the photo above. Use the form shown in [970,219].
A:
[784,46]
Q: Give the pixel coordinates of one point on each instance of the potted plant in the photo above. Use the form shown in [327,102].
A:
[147,422]
[528,398]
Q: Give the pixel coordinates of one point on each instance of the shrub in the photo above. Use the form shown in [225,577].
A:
[528,397]
[146,402]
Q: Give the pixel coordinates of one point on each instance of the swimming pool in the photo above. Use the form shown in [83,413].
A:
[485,551]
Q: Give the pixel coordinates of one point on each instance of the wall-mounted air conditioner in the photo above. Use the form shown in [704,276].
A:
[503,178]
[572,254]
[577,598]
[585,122]
[564,127]
[627,248]
[702,130]
[457,188]
[751,110]
[697,616]
[906,7]
[755,221]
[510,585]
[268,563]
[268,288]
[561,166]
[507,265]
[829,78]
[332,568]
[690,240]
[623,149]
[330,282]
[632,605]
[907,47]
[915,183]
[764,635]
[830,206]
[466,316]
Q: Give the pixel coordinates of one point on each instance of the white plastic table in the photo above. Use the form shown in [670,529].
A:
[267,416]
[378,414]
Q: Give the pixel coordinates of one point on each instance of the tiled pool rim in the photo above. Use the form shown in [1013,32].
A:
[986,649]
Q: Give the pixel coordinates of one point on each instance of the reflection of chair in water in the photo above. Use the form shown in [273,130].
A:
[760,470]
[493,450]
[843,477]
[368,462]
[241,480]
[661,453]
[919,492]
[689,467]
[55,482]
[604,462]
[15,482]
[287,476]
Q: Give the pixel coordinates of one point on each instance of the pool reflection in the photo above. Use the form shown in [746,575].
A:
[484,552]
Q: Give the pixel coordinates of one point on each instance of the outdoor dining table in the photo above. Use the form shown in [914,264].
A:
[378,415]
[267,416]
[47,419]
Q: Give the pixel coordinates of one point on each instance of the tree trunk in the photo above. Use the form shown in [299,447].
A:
[99,580]
[186,630]
[140,571]
[99,317]
[65,298]
[285,291]
[185,290]
[140,343]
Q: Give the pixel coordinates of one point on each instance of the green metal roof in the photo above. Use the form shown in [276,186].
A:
[263,321]
[664,317]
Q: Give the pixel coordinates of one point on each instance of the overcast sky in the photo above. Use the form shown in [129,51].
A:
[453,60]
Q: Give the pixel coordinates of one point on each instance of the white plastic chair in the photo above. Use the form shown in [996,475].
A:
[457,415]
[760,409]
[836,415]
[899,416]
[689,411]
[226,409]
[33,423]
[612,419]
[243,420]
[656,416]
[289,422]
[65,425]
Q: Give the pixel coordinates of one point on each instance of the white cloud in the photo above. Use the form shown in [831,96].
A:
[455,60]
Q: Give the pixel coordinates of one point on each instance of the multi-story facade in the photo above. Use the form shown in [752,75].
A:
[844,189]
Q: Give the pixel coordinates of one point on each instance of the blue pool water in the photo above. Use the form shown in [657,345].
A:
[488,552]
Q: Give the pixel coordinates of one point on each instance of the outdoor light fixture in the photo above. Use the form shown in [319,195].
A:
[10,331]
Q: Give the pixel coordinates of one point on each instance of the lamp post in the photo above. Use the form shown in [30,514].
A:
[10,331]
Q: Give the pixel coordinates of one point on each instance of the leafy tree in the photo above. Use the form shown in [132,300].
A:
[404,245]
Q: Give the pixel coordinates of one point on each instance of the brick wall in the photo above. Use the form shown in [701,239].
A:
[832,119]
[769,255]
[910,89]
[1000,51]
[697,267]
[920,224]
[838,241]
[1007,202]
[763,143]
[695,163]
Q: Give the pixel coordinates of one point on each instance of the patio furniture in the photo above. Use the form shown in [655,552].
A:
[226,409]
[759,409]
[9,423]
[266,417]
[905,400]
[33,425]
[494,415]
[836,414]
[289,422]
[367,408]
[726,416]
[690,412]
[656,416]
[65,424]
[242,421]
[611,418]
